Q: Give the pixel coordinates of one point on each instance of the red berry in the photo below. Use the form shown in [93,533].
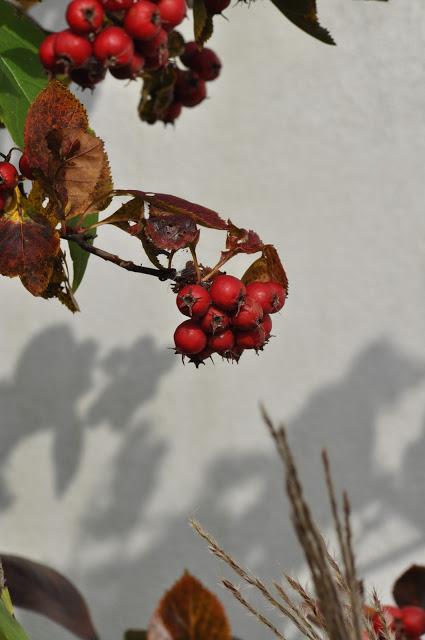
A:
[413,620]
[47,52]
[114,46]
[172,12]
[189,338]
[189,89]
[193,301]
[206,63]
[117,5]
[85,16]
[392,614]
[90,75]
[143,20]
[130,71]
[248,316]
[8,176]
[222,342]
[24,167]
[227,292]
[270,295]
[71,48]
[160,59]
[172,113]
[149,48]
[214,321]
[267,325]
[252,339]
[216,6]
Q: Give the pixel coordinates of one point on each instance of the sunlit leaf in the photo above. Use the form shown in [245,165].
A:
[267,267]
[10,629]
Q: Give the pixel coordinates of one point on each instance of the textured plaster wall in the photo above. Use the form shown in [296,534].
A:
[108,444]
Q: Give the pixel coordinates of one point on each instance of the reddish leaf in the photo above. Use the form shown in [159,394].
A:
[54,108]
[189,612]
[409,588]
[28,249]
[38,588]
[303,13]
[171,232]
[267,267]
[242,241]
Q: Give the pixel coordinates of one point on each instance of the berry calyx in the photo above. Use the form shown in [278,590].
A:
[252,339]
[8,176]
[143,20]
[25,168]
[227,292]
[113,46]
[130,71]
[89,75]
[248,316]
[199,358]
[172,12]
[72,49]
[85,16]
[216,6]
[206,63]
[189,89]
[222,343]
[172,113]
[413,620]
[193,301]
[47,53]
[214,321]
[270,295]
[189,338]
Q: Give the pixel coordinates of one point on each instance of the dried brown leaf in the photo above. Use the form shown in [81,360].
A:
[303,13]
[267,267]
[171,232]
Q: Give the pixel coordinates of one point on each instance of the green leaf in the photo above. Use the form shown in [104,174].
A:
[22,76]
[80,257]
[10,629]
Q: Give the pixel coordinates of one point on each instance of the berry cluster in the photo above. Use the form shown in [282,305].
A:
[131,39]
[404,622]
[9,178]
[226,317]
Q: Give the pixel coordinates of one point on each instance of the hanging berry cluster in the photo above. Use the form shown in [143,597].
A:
[134,39]
[227,317]
[404,623]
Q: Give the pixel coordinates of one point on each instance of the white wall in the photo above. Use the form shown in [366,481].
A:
[108,444]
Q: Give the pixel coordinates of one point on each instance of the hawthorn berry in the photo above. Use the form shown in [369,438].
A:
[222,342]
[248,316]
[190,49]
[149,48]
[172,12]
[47,53]
[130,71]
[227,292]
[214,321]
[25,168]
[113,46]
[206,63]
[172,113]
[143,20]
[117,5]
[160,59]
[270,295]
[189,89]
[216,6]
[189,338]
[413,620]
[71,48]
[267,325]
[193,300]
[85,16]
[8,176]
[252,339]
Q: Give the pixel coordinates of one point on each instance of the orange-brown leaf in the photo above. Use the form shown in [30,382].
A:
[189,612]
[267,267]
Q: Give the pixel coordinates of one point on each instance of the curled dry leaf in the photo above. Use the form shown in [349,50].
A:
[409,588]
[242,241]
[267,267]
[202,22]
[189,611]
[39,588]
[171,232]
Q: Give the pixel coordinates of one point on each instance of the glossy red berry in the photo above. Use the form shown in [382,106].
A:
[189,338]
[172,113]
[24,167]
[392,615]
[413,619]
[117,5]
[189,89]
[130,71]
[143,20]
[216,6]
[85,16]
[149,48]
[248,316]
[8,176]
[252,339]
[172,12]
[71,48]
[270,295]
[193,301]
[47,53]
[227,292]
[206,63]
[267,325]
[222,342]
[113,46]
[214,321]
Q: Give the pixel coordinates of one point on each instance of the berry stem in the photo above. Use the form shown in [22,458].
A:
[83,242]
[195,263]
[217,267]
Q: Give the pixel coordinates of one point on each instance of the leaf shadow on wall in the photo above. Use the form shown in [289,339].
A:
[240,498]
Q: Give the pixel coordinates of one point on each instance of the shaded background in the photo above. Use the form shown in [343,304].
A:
[108,444]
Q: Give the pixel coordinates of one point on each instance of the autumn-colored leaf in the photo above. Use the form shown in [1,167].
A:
[409,588]
[189,612]
[41,589]
[176,44]
[303,13]
[157,94]
[171,232]
[131,211]
[242,241]
[267,267]
[27,248]
[58,285]
[202,22]
[54,108]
